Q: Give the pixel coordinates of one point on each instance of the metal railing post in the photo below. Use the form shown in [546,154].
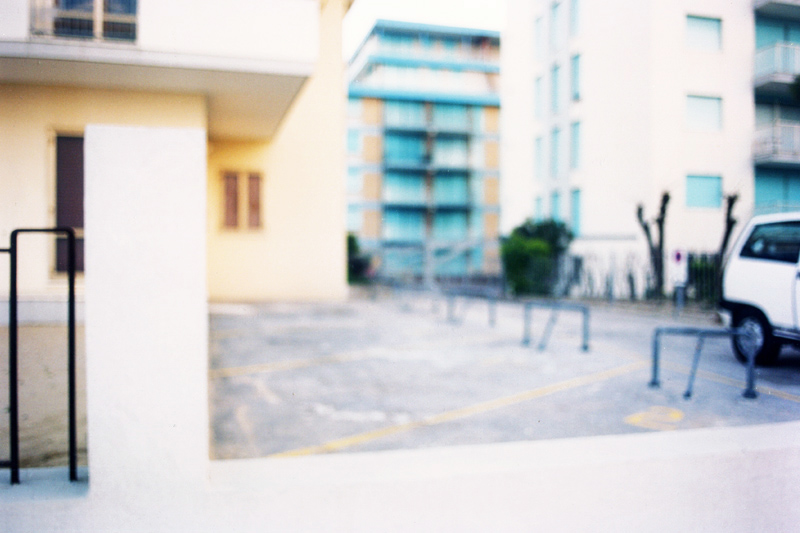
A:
[586,319]
[548,329]
[695,364]
[526,319]
[750,392]
[12,363]
[13,353]
[73,422]
[654,383]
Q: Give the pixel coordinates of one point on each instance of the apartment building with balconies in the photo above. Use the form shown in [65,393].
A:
[263,83]
[423,150]
[776,149]
[607,105]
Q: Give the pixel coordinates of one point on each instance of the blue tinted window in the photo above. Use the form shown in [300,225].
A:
[704,191]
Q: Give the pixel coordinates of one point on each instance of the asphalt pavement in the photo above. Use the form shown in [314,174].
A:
[404,370]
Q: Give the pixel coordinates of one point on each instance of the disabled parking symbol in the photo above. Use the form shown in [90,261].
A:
[657,418]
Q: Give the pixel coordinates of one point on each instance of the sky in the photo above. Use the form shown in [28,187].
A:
[482,14]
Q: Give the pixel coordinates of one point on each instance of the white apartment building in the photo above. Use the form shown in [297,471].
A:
[609,104]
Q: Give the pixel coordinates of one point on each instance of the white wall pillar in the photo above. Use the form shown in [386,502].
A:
[146,308]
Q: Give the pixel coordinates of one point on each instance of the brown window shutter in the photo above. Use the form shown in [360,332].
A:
[69,197]
[231,191]
[254,200]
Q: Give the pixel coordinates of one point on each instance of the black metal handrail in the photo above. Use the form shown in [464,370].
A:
[13,324]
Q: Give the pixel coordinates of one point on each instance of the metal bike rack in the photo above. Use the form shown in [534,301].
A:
[13,326]
[555,307]
[701,334]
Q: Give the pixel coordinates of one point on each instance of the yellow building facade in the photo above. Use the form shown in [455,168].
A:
[274,118]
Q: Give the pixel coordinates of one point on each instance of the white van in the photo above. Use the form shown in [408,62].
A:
[760,286]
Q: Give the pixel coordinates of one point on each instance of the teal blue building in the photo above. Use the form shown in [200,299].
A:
[423,150]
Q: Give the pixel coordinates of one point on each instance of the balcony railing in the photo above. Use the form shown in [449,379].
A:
[779,143]
[781,60]
[84,19]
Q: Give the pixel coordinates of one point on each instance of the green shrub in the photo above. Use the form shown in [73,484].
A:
[357,264]
[528,265]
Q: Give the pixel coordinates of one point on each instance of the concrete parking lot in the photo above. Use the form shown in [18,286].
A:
[395,372]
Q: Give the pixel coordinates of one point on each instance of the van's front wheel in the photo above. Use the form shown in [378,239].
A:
[757,339]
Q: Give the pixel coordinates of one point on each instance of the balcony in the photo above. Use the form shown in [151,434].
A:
[778,145]
[776,68]
[249,58]
[784,9]
[85,19]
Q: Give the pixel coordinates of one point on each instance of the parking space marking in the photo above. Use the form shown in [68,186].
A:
[345,357]
[657,417]
[291,364]
[738,383]
[472,410]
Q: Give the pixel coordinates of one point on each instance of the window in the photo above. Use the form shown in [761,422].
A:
[451,189]
[450,152]
[355,219]
[402,148]
[409,114]
[704,113]
[450,226]
[354,107]
[538,209]
[355,181]
[575,77]
[575,212]
[253,200]
[776,190]
[555,151]
[555,206]
[231,187]
[353,142]
[575,145]
[404,188]
[555,83]
[78,18]
[451,117]
[770,32]
[403,225]
[232,199]
[779,241]
[703,191]
[703,33]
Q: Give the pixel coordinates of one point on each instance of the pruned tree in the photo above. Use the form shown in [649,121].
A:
[730,222]
[656,249]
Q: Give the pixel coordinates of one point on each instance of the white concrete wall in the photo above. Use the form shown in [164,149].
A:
[280,30]
[636,72]
[14,24]
[146,310]
[516,90]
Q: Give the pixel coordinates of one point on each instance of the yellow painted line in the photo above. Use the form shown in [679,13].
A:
[657,417]
[738,383]
[277,366]
[464,412]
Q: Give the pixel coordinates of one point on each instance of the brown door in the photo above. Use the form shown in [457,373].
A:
[69,197]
